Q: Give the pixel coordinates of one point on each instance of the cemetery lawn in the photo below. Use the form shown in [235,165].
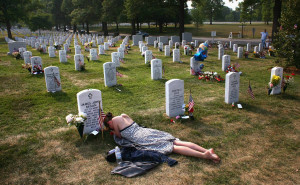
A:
[257,144]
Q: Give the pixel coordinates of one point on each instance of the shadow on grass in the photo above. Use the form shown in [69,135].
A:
[60,96]
[256,109]
[123,68]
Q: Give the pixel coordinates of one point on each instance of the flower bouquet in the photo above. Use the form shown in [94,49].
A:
[231,68]
[274,82]
[271,52]
[256,54]
[37,69]
[210,76]
[27,66]
[16,54]
[287,81]
[78,121]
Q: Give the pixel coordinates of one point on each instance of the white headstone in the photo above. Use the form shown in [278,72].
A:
[79,61]
[63,56]
[148,56]
[160,46]
[144,48]
[77,49]
[230,44]
[195,65]
[171,44]
[66,47]
[248,47]
[150,40]
[186,49]
[115,58]
[110,74]
[260,47]
[27,55]
[155,44]
[121,53]
[235,47]
[225,62]
[36,65]
[187,36]
[136,39]
[101,50]
[278,71]
[51,51]
[221,53]
[156,69]
[106,46]
[88,102]
[174,97]
[52,79]
[93,54]
[167,50]
[176,55]
[256,49]
[163,39]
[183,43]
[240,52]
[175,39]
[14,46]
[232,85]
[21,51]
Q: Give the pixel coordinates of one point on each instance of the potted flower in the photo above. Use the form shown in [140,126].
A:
[78,121]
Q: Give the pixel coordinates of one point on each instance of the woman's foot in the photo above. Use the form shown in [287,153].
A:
[216,158]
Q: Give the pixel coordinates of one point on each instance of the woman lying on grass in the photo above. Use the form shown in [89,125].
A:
[128,133]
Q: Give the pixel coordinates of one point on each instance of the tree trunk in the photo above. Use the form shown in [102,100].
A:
[83,25]
[65,28]
[251,14]
[137,25]
[160,24]
[8,27]
[104,28]
[175,24]
[117,26]
[132,27]
[149,25]
[56,26]
[276,17]
[74,28]
[87,28]
[181,18]
[211,17]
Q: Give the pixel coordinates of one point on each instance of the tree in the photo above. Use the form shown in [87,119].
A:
[132,8]
[267,6]
[212,8]
[197,14]
[112,10]
[40,21]
[287,41]
[13,11]
[276,17]
[248,9]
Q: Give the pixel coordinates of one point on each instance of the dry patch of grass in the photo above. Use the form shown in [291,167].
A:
[80,82]
[5,63]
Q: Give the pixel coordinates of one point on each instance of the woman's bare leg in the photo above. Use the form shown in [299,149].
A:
[190,145]
[183,150]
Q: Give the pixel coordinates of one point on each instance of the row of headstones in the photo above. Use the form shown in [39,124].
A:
[174,90]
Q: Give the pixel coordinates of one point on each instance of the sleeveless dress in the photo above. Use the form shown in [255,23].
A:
[146,139]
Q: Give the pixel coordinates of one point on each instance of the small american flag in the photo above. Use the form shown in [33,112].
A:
[250,91]
[121,60]
[163,70]
[56,80]
[101,117]
[191,102]
[153,57]
[237,65]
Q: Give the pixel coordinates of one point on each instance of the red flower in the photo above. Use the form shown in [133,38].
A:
[293,74]
[288,77]
[172,120]
[111,133]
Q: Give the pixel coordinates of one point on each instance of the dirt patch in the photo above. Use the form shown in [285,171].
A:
[5,63]
[291,70]
[78,81]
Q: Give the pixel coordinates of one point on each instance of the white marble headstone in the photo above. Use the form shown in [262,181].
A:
[51,51]
[110,74]
[235,46]
[63,56]
[248,47]
[195,65]
[77,49]
[225,62]
[21,51]
[27,55]
[232,85]
[36,64]
[115,58]
[88,102]
[160,46]
[167,50]
[221,53]
[174,97]
[121,53]
[148,56]
[278,71]
[79,61]
[156,69]
[240,52]
[106,46]
[52,78]
[101,50]
[176,55]
[93,54]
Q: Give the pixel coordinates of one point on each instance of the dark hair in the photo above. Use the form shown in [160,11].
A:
[107,118]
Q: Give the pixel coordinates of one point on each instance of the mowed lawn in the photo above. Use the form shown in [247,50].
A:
[257,144]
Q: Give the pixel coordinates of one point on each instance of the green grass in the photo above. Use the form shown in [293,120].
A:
[258,143]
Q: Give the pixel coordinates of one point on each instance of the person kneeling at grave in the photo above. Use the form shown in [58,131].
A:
[127,133]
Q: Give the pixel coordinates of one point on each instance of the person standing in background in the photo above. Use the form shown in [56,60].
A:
[264,36]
